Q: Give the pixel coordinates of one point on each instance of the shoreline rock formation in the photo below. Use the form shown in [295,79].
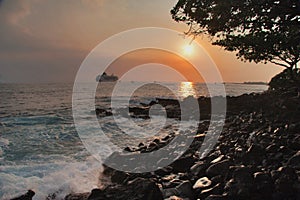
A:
[257,156]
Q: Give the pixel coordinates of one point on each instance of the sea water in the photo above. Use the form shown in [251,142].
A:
[40,148]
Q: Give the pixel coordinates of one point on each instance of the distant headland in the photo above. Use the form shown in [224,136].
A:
[255,83]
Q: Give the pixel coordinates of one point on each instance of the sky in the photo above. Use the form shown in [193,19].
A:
[45,41]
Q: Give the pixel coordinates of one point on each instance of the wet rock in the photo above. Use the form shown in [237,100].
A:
[119,177]
[219,168]
[238,190]
[128,149]
[273,148]
[199,137]
[182,164]
[263,185]
[176,181]
[185,190]
[166,138]
[286,180]
[245,181]
[152,147]
[163,171]
[141,144]
[81,196]
[107,171]
[27,196]
[243,175]
[102,112]
[294,143]
[95,194]
[254,154]
[138,188]
[182,190]
[231,188]
[139,111]
[224,148]
[218,159]
[215,190]
[294,161]
[203,182]
[217,179]
[198,169]
[156,140]
[216,197]
[170,192]
[174,198]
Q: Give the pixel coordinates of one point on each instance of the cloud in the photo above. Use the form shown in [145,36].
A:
[14,12]
[95,2]
[45,36]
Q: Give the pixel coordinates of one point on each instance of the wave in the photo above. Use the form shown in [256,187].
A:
[58,178]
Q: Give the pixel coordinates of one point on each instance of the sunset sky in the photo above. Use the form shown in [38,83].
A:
[47,40]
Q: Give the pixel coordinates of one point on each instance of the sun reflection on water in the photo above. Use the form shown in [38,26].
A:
[187,89]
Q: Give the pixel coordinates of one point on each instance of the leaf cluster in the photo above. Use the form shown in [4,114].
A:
[257,30]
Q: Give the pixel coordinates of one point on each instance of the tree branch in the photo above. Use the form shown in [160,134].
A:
[280,64]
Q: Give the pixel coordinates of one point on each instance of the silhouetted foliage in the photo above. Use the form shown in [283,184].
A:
[258,30]
[288,79]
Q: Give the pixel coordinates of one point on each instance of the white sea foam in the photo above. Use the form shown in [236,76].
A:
[4,142]
[1,153]
[59,178]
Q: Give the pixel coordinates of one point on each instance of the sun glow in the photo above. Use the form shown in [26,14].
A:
[187,89]
[188,49]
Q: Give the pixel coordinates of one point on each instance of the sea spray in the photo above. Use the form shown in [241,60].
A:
[53,179]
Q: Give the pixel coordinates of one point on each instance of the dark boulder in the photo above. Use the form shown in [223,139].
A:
[285,183]
[119,177]
[294,161]
[216,197]
[198,169]
[27,196]
[96,194]
[138,188]
[80,196]
[219,168]
[254,155]
[263,184]
[183,190]
[215,190]
[183,164]
[102,112]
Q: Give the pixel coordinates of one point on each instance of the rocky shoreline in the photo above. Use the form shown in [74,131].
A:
[257,156]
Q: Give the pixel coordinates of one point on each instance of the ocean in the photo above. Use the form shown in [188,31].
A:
[39,145]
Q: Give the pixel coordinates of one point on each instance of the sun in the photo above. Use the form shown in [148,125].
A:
[188,49]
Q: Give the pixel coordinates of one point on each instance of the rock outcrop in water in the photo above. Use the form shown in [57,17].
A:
[28,196]
[257,156]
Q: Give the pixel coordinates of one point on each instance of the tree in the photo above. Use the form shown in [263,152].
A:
[257,30]
[286,80]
